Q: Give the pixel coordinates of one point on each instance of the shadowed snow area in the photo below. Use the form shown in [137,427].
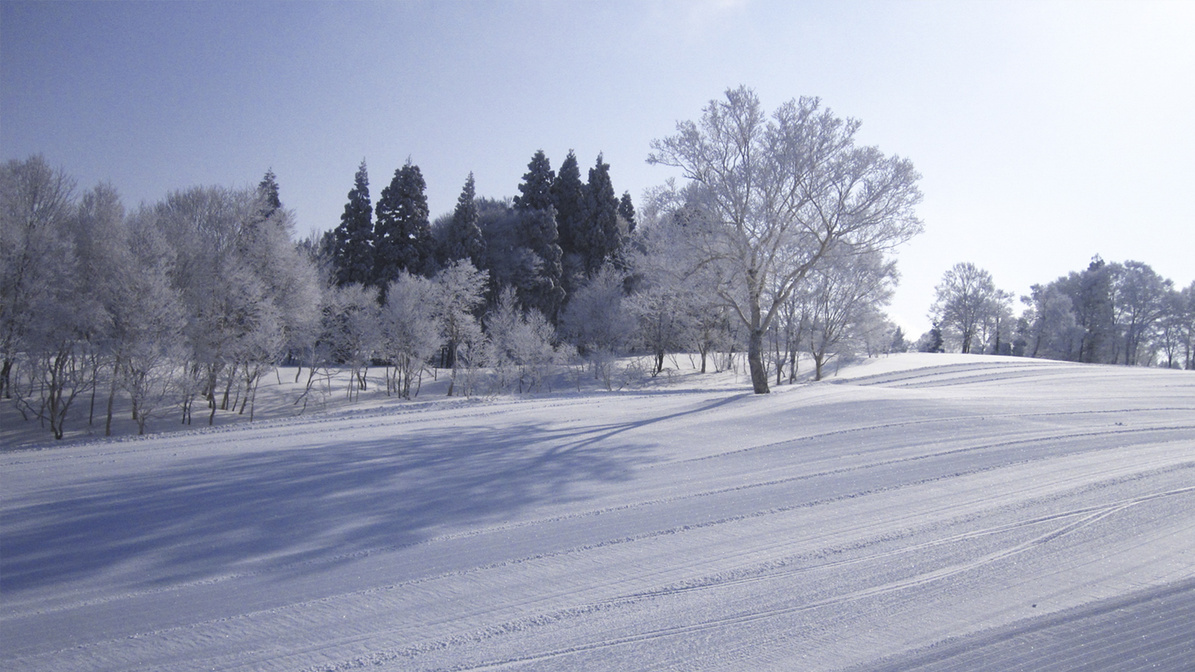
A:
[929,512]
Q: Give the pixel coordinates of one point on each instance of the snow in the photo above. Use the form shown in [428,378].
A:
[914,512]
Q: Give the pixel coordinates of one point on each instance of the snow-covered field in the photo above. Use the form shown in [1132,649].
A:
[915,512]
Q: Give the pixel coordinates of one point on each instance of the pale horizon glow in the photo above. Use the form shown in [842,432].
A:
[1046,132]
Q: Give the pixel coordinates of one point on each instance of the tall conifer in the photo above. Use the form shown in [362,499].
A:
[402,234]
[463,239]
[626,210]
[536,189]
[353,250]
[600,238]
[568,195]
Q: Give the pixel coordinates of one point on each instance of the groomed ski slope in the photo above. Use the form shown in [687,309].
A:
[916,512]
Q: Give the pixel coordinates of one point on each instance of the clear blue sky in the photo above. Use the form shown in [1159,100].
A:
[1046,132]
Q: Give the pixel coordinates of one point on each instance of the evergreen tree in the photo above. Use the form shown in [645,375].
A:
[568,195]
[626,210]
[402,234]
[463,239]
[536,188]
[898,341]
[537,266]
[267,193]
[934,343]
[599,238]
[538,274]
[352,258]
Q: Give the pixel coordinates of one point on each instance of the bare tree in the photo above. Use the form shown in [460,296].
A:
[779,192]
[845,294]
[966,298]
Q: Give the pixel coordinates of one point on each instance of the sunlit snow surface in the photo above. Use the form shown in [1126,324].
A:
[947,512]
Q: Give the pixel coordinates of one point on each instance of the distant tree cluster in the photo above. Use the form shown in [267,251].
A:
[1110,313]
[775,249]
[547,241]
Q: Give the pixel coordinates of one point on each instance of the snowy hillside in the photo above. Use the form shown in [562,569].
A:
[915,512]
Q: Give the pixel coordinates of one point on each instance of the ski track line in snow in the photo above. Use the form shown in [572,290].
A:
[945,420]
[1090,515]
[563,552]
[362,553]
[949,373]
[1094,514]
[474,412]
[1129,633]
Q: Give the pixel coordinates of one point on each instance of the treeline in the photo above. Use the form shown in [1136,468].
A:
[182,306]
[1110,313]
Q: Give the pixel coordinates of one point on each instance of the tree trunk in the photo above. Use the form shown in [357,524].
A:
[759,374]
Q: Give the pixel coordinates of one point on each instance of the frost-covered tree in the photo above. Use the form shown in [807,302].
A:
[1090,292]
[597,320]
[1053,332]
[1172,328]
[460,292]
[1139,302]
[670,295]
[519,344]
[779,192]
[52,314]
[147,323]
[290,286]
[35,256]
[965,300]
[844,296]
[402,235]
[352,252]
[410,332]
[242,284]
[355,331]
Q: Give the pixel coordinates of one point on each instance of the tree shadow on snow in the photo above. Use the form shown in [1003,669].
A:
[222,514]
